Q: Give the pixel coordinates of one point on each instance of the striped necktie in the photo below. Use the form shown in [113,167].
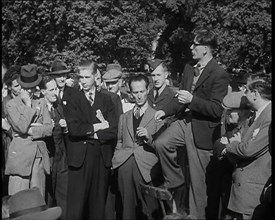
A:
[137,113]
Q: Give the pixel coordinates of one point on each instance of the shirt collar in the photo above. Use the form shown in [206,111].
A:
[202,64]
[142,108]
[49,105]
[261,109]
[160,89]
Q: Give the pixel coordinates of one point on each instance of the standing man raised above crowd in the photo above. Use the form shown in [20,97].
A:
[113,81]
[202,89]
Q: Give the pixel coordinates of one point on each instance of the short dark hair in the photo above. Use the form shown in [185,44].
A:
[262,86]
[44,81]
[207,37]
[12,74]
[88,64]
[137,78]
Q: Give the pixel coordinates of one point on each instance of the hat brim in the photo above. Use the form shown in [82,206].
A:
[111,80]
[59,72]
[30,85]
[49,214]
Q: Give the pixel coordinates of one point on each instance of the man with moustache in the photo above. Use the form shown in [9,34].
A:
[92,126]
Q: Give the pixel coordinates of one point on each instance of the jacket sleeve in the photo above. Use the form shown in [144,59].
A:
[19,116]
[47,127]
[254,146]
[120,133]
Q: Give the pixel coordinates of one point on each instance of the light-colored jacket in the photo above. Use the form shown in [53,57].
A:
[254,165]
[24,148]
[126,145]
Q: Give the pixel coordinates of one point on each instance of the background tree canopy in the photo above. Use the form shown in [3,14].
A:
[123,31]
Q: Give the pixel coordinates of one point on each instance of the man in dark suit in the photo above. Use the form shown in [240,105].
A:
[92,126]
[199,101]
[57,184]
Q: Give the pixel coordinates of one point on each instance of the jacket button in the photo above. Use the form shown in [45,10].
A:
[241,169]
[84,142]
[239,184]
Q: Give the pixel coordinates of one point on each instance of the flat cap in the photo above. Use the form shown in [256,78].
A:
[235,100]
[154,63]
[112,75]
[115,66]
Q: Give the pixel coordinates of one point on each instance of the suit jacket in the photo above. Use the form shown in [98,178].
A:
[254,165]
[205,107]
[24,147]
[126,145]
[116,100]
[80,117]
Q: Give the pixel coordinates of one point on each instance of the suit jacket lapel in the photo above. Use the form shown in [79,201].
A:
[129,123]
[147,117]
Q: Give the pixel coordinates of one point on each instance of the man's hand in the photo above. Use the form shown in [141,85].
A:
[70,82]
[224,140]
[236,137]
[101,126]
[184,96]
[5,124]
[159,114]
[25,97]
[63,123]
[142,135]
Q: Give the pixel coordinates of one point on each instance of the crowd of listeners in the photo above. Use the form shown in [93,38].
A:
[82,148]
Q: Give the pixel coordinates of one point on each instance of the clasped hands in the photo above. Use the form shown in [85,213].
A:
[142,135]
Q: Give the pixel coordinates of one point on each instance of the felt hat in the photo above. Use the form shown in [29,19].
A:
[29,204]
[29,77]
[154,63]
[59,67]
[113,73]
[235,100]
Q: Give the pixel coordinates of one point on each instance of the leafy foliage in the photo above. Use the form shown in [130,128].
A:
[123,31]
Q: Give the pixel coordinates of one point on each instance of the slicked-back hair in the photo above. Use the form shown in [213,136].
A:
[44,81]
[138,78]
[12,74]
[88,65]
[207,37]
[262,86]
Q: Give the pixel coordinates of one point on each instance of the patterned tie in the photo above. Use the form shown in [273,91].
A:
[197,70]
[90,99]
[137,113]
[252,119]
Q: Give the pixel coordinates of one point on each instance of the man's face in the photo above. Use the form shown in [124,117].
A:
[15,88]
[113,86]
[139,92]
[60,80]
[87,79]
[159,76]
[50,93]
[198,51]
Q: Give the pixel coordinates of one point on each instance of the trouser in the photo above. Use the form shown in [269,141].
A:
[36,179]
[135,205]
[87,187]
[179,134]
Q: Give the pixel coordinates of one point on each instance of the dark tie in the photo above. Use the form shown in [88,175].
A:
[52,113]
[137,113]
[157,95]
[197,70]
[252,119]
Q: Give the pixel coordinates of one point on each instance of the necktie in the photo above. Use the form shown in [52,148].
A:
[90,99]
[157,95]
[252,119]
[137,113]
[52,113]
[197,70]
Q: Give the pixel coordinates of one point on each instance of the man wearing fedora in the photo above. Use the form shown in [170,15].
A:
[28,159]
[113,81]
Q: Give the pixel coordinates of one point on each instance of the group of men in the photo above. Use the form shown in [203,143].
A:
[99,144]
